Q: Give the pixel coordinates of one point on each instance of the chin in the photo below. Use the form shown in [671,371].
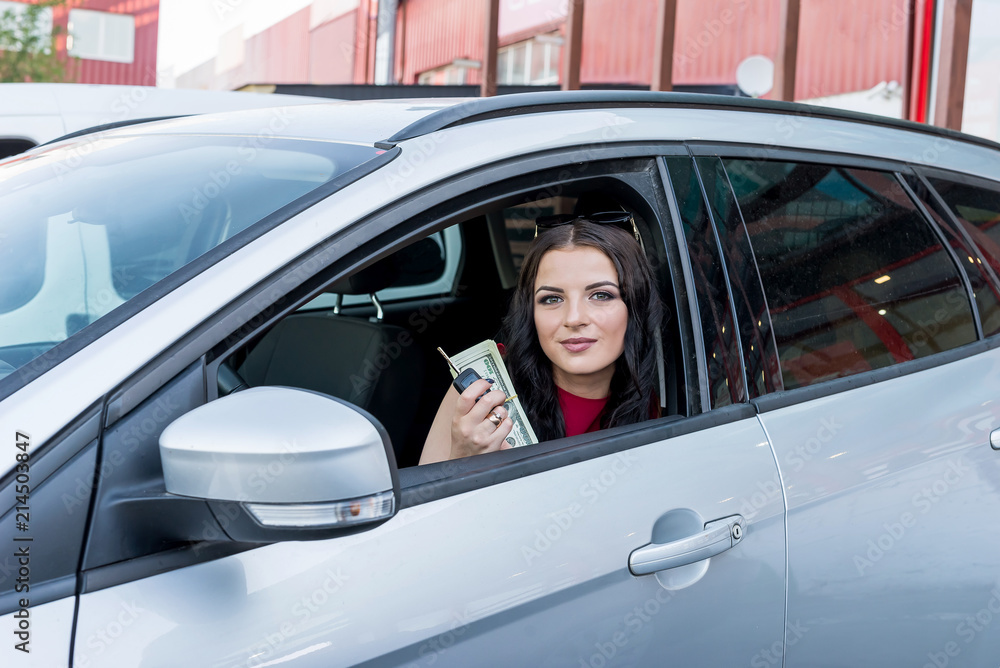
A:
[582,367]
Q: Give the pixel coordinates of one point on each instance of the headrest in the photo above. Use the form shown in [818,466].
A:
[371,279]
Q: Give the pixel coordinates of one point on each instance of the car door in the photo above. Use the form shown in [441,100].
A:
[882,432]
[520,557]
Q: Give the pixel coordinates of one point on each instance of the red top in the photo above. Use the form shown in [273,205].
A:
[582,415]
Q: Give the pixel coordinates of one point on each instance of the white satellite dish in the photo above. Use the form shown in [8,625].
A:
[755,75]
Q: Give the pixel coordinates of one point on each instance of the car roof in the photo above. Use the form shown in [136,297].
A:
[479,109]
[365,122]
[385,123]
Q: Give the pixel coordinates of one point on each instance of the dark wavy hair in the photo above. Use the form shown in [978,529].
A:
[635,377]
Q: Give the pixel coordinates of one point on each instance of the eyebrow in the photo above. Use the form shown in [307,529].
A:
[589,287]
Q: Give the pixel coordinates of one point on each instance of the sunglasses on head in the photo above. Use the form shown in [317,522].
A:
[620,219]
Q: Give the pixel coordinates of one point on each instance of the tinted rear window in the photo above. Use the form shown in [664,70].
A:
[855,278]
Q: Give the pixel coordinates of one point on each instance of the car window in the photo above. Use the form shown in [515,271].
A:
[89,224]
[373,355]
[855,278]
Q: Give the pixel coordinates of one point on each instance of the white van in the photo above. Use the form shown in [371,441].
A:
[35,113]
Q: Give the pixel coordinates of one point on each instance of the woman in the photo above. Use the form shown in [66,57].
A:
[580,340]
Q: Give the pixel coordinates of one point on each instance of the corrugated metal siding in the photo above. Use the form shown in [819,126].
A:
[364,42]
[849,45]
[142,70]
[618,39]
[844,45]
[714,36]
[439,31]
[332,51]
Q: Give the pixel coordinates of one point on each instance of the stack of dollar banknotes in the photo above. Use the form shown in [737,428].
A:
[485,359]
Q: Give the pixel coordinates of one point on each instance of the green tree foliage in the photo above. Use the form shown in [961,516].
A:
[28,47]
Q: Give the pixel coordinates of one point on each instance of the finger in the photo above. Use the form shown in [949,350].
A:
[467,399]
[498,438]
[492,401]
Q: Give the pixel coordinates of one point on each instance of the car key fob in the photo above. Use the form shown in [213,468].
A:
[468,377]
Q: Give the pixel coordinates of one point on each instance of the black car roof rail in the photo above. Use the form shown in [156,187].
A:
[111,126]
[532,103]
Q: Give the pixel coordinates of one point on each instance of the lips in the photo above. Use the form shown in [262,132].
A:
[577,345]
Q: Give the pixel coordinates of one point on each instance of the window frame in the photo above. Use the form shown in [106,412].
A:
[483,198]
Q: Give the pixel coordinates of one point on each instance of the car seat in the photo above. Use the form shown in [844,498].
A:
[365,361]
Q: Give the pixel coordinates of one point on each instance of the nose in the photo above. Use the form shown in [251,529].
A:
[575,313]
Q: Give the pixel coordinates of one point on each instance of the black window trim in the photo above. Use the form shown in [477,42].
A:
[689,281]
[942,238]
[714,224]
[431,482]
[783,154]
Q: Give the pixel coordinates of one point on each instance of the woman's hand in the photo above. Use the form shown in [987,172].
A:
[479,426]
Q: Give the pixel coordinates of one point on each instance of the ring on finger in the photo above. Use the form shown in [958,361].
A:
[495,418]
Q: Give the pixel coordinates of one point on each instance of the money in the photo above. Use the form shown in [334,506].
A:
[485,359]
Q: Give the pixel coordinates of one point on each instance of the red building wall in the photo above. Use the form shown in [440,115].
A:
[844,45]
[332,50]
[848,45]
[438,32]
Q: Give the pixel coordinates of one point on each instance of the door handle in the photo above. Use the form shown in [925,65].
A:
[717,537]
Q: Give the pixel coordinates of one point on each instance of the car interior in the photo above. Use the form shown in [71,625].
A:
[371,339]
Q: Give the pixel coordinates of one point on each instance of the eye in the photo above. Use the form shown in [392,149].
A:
[548,300]
[603,296]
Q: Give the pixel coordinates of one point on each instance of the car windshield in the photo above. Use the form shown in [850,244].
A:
[87,225]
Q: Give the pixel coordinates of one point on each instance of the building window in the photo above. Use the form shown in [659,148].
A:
[532,62]
[101,36]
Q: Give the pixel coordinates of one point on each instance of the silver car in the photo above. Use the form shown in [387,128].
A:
[217,351]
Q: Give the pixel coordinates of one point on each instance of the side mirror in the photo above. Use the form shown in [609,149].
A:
[298,465]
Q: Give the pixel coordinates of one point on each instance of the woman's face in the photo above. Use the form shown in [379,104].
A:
[580,318]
